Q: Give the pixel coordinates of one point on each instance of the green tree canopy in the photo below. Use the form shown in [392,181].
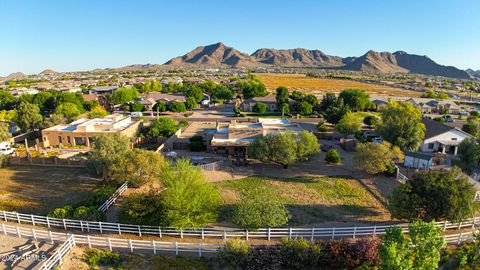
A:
[375,158]
[140,167]
[28,117]
[53,120]
[124,95]
[471,127]
[161,127]
[108,152]
[259,107]
[4,133]
[176,106]
[68,110]
[370,120]
[402,125]
[282,95]
[283,148]
[333,108]
[469,154]
[348,125]
[142,209]
[355,99]
[97,112]
[434,195]
[160,107]
[191,103]
[252,88]
[303,107]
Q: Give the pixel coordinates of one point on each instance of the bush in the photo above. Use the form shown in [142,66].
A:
[391,170]
[370,120]
[439,119]
[466,256]
[142,209]
[137,107]
[341,254]
[196,143]
[175,106]
[96,258]
[259,107]
[258,209]
[475,114]
[4,161]
[322,127]
[265,258]
[299,254]
[234,253]
[333,156]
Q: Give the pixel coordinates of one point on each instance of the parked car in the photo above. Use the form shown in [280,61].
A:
[448,118]
[5,149]
[136,114]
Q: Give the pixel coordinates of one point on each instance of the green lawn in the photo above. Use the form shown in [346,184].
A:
[362,115]
[310,200]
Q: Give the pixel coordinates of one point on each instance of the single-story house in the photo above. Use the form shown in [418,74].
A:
[417,160]
[149,99]
[102,90]
[270,100]
[441,138]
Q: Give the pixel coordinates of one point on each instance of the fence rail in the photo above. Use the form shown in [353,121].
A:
[214,166]
[48,162]
[60,253]
[104,207]
[218,232]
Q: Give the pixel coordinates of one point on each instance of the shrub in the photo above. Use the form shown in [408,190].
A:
[466,256]
[137,107]
[370,120]
[196,143]
[391,170]
[258,209]
[234,253]
[175,106]
[342,254]
[96,258]
[191,103]
[299,254]
[475,114]
[322,127]
[259,107]
[332,156]
[4,161]
[439,119]
[62,212]
[265,258]
[141,208]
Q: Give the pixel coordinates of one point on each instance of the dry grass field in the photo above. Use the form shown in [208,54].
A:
[320,86]
[41,189]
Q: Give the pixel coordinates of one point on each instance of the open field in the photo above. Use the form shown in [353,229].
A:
[320,86]
[311,200]
[40,189]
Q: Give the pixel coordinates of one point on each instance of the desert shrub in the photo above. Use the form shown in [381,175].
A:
[332,156]
[4,161]
[259,209]
[265,258]
[322,127]
[141,208]
[391,170]
[300,254]
[259,107]
[96,258]
[234,253]
[62,212]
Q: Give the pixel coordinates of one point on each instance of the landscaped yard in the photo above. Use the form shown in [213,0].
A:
[311,85]
[311,200]
[40,189]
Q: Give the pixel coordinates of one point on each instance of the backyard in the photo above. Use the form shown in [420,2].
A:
[310,200]
[41,189]
[310,85]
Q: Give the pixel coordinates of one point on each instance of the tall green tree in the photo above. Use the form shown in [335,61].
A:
[108,152]
[333,109]
[375,158]
[469,154]
[189,201]
[68,109]
[434,195]
[124,95]
[355,99]
[421,251]
[402,125]
[5,135]
[28,117]
[139,167]
[471,127]
[282,95]
[348,125]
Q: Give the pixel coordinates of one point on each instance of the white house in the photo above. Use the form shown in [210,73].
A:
[442,138]
[417,160]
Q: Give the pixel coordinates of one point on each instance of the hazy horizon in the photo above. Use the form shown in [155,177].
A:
[76,36]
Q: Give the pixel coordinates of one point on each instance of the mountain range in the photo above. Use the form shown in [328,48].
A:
[218,55]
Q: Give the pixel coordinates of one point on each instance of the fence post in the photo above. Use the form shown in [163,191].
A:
[444,225]
[81,225]
[159,231]
[34,235]
[313,233]
[290,233]
[18,232]
[109,244]
[181,233]
[5,216]
[18,218]
[119,229]
[203,234]
[176,248]
[51,237]
[246,234]
[333,233]
[200,250]
[3,229]
[100,226]
[224,234]
[354,231]
[32,219]
[88,241]
[64,224]
[459,238]
[268,234]
[374,230]
[139,231]
[88,226]
[154,247]
[473,222]
[130,245]
[48,222]
[459,225]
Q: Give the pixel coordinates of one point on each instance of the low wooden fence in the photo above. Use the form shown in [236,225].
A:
[52,161]
[60,253]
[104,207]
[218,232]
[214,166]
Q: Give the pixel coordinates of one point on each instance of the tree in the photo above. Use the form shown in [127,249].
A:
[252,88]
[283,148]
[333,109]
[469,154]
[28,117]
[189,201]
[45,100]
[303,107]
[311,99]
[97,112]
[142,208]
[108,153]
[176,106]
[53,120]
[68,110]
[191,103]
[259,209]
[124,95]
[348,125]
[297,95]
[333,156]
[370,120]
[160,107]
[434,195]
[402,125]
[7,100]
[375,158]
[471,127]
[222,92]
[75,98]
[195,92]
[5,135]
[140,167]
[259,107]
[355,99]
[137,107]
[282,96]
[161,127]
[421,251]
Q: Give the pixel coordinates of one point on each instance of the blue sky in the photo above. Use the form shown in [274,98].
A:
[85,34]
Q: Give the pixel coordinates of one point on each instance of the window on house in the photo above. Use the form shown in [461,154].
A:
[60,139]
[68,140]
[430,146]
[454,139]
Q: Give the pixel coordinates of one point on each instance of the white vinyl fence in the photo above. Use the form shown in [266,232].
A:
[104,207]
[214,166]
[60,253]
[218,232]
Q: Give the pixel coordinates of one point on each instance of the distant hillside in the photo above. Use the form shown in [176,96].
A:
[382,62]
[473,73]
[296,57]
[214,55]
[15,76]
[48,72]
